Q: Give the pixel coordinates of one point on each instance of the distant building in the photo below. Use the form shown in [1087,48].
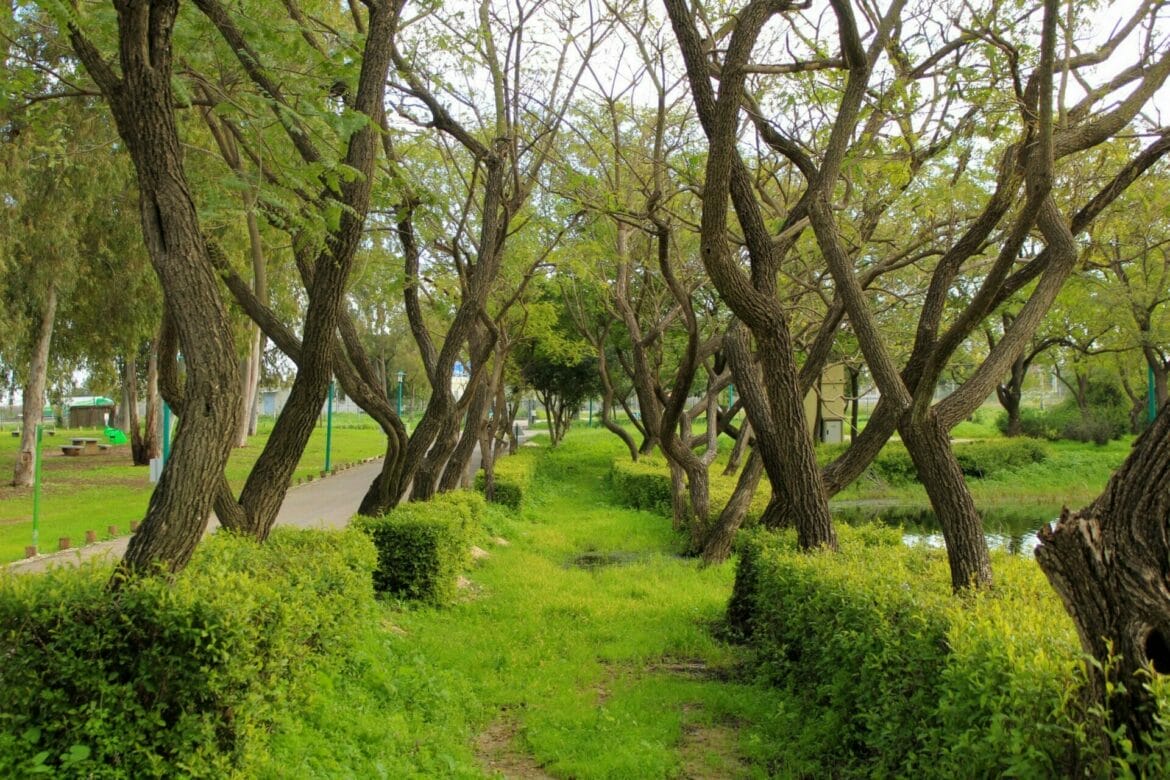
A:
[826,405]
[460,376]
[89,411]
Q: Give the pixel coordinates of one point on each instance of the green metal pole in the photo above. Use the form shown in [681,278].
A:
[1152,406]
[401,376]
[329,427]
[166,433]
[37,490]
[590,412]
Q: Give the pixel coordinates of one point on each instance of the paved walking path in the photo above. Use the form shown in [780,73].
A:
[324,503]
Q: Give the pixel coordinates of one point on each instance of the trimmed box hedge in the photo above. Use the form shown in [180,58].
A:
[512,477]
[897,677]
[423,546]
[173,679]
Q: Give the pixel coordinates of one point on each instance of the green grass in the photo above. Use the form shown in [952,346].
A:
[604,672]
[92,492]
[1073,474]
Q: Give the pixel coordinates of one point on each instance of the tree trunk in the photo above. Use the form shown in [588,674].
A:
[250,369]
[855,395]
[741,445]
[938,470]
[142,103]
[607,401]
[775,407]
[426,478]
[152,426]
[1009,398]
[455,471]
[719,542]
[1110,565]
[34,392]
[138,452]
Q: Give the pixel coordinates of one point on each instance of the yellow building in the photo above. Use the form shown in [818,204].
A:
[826,405]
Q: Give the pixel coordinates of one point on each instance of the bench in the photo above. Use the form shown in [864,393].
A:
[103,447]
[71,450]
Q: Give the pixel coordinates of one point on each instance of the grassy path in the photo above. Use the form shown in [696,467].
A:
[549,667]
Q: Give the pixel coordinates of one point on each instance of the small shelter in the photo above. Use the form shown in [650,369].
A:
[91,411]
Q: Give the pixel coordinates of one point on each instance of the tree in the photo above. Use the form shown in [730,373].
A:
[139,90]
[1000,246]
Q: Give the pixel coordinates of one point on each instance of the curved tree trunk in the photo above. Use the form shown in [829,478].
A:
[719,542]
[962,528]
[142,103]
[607,400]
[741,446]
[455,471]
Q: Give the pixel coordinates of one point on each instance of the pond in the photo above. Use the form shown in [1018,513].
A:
[1007,528]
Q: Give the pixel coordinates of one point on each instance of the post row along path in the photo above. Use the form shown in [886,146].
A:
[322,503]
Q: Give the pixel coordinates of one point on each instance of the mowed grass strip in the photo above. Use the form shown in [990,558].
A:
[583,648]
[92,492]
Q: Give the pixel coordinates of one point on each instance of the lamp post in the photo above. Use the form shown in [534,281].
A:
[36,529]
[329,427]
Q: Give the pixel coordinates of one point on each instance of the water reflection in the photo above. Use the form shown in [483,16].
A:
[1012,529]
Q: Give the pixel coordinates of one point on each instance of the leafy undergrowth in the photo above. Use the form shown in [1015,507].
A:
[581,648]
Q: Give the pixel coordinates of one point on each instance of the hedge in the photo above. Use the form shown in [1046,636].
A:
[512,477]
[173,679]
[423,546]
[897,677]
[978,459]
[645,484]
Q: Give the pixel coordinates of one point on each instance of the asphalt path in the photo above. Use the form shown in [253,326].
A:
[322,503]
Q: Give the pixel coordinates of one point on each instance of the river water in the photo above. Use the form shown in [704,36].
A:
[1007,528]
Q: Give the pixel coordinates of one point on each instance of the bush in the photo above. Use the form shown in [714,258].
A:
[423,546]
[1107,417]
[644,484]
[512,477]
[983,459]
[896,677]
[181,679]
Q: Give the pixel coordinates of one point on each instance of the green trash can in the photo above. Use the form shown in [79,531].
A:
[115,436]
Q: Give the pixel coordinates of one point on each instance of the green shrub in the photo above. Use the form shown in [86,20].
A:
[644,484]
[898,678]
[978,459]
[982,459]
[512,477]
[181,679]
[1107,417]
[423,546]
[894,466]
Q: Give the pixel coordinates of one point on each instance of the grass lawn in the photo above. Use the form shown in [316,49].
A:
[548,667]
[92,492]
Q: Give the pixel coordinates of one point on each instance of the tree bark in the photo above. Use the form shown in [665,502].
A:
[737,451]
[938,470]
[719,542]
[34,392]
[1110,565]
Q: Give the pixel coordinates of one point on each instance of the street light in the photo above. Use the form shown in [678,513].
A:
[329,430]
[401,377]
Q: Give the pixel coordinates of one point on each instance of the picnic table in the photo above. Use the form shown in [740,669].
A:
[88,446]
